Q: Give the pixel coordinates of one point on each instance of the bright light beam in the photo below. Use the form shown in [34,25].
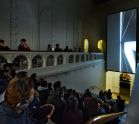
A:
[129,49]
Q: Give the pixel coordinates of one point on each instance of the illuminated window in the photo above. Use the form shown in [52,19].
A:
[100,45]
[86,45]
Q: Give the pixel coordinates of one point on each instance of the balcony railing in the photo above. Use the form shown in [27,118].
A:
[36,60]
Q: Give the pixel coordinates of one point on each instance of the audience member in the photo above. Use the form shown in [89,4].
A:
[109,94]
[3,47]
[9,71]
[18,104]
[67,49]
[71,114]
[56,98]
[49,48]
[87,93]
[57,48]
[3,85]
[90,108]
[35,82]
[23,46]
[79,50]
[120,103]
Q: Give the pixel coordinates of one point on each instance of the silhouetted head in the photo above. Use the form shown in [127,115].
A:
[23,41]
[1,42]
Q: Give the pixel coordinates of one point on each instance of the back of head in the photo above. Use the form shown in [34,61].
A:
[71,103]
[56,85]
[59,92]
[15,93]
[33,76]
[23,40]
[22,75]
[1,41]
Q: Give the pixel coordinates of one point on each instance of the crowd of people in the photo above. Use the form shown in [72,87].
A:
[28,100]
[23,46]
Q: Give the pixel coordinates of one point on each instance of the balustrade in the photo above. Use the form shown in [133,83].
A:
[32,60]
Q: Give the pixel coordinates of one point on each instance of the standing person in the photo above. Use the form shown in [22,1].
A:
[23,46]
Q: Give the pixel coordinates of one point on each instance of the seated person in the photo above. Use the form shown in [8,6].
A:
[9,71]
[2,46]
[67,49]
[18,97]
[57,48]
[49,48]
[120,103]
[23,46]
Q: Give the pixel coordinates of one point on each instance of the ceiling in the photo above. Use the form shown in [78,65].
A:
[102,1]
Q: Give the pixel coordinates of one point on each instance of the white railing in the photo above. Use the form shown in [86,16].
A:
[48,60]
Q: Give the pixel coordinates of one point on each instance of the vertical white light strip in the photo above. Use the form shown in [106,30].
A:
[121,28]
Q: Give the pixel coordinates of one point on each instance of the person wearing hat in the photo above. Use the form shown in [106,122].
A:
[2,46]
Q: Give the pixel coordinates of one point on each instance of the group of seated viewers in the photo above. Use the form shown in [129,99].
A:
[24,47]
[28,100]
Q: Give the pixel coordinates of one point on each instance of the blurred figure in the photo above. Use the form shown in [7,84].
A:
[57,48]
[13,111]
[18,105]
[71,113]
[23,46]
[49,48]
[56,98]
[120,103]
[9,71]
[67,49]
[3,85]
[3,47]
[109,94]
[90,108]
[87,94]
[35,81]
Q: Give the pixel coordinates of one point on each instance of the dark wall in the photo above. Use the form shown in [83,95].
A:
[102,10]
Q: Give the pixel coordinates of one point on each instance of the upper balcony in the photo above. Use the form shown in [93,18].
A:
[49,63]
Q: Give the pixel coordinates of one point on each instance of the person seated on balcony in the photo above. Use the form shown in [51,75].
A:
[3,47]
[49,48]
[79,50]
[57,48]
[67,49]
[23,46]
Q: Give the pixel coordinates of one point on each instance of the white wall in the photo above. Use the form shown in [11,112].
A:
[82,79]
[113,81]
